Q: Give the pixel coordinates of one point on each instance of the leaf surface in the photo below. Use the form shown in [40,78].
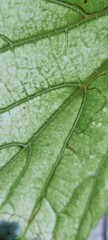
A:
[53,116]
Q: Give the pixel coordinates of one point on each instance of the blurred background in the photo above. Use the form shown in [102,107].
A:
[100,232]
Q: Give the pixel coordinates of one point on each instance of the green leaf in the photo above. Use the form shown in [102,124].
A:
[53,116]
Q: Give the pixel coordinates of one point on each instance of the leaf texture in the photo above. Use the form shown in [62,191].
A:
[53,116]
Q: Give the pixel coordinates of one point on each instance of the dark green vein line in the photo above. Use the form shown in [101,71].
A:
[17,181]
[13,144]
[5,38]
[73,6]
[10,161]
[44,190]
[91,193]
[43,91]
[101,70]
[39,36]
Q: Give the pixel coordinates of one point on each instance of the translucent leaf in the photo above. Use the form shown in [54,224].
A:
[53,116]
